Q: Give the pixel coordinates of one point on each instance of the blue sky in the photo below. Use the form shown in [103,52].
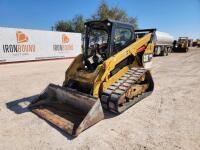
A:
[177,17]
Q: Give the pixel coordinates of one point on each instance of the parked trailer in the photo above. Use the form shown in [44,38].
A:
[164,43]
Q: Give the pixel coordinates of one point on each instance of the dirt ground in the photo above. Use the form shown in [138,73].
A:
[169,119]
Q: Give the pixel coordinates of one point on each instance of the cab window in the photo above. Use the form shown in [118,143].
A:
[122,37]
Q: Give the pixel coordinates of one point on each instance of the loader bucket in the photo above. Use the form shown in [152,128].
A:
[67,109]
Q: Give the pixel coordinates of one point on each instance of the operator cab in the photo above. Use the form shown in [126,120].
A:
[105,38]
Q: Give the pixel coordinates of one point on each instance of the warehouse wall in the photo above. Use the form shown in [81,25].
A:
[26,44]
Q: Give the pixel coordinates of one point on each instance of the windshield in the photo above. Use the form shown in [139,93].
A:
[181,40]
[97,41]
[122,37]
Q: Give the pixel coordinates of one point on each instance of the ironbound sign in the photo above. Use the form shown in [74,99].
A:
[26,44]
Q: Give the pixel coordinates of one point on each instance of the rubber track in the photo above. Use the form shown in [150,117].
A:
[110,97]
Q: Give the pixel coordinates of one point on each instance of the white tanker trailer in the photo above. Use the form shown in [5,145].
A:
[163,41]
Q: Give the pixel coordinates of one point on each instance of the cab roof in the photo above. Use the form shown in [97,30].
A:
[108,21]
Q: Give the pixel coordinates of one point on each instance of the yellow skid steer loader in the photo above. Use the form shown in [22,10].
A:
[112,73]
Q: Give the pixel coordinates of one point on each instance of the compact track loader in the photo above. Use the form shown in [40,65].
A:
[112,73]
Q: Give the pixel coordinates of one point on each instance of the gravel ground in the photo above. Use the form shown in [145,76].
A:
[168,119]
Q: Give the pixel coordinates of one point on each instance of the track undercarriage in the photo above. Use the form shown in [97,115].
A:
[128,90]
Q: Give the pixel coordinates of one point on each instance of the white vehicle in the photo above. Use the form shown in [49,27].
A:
[163,43]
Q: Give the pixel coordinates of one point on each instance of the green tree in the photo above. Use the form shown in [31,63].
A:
[74,25]
[115,13]
[103,12]
[133,21]
[78,23]
[65,26]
